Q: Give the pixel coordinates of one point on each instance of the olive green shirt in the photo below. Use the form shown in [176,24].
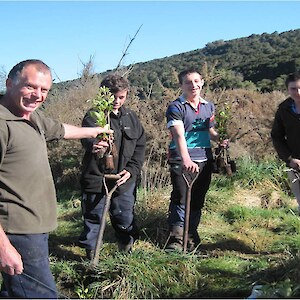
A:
[27,192]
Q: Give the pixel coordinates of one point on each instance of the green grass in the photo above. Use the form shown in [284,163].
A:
[250,234]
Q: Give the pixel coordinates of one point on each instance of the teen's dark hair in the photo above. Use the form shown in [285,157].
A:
[18,68]
[115,83]
[186,72]
[292,77]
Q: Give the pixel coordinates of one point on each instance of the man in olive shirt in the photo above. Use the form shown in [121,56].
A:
[27,193]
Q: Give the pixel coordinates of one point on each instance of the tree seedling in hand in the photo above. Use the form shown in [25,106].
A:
[102,105]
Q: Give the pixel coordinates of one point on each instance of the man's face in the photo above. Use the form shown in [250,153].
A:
[29,91]
[294,90]
[192,85]
[120,98]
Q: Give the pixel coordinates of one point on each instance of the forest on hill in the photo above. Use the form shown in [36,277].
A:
[257,62]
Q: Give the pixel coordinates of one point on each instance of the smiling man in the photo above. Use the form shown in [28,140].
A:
[27,193]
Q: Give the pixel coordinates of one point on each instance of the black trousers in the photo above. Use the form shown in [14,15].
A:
[178,195]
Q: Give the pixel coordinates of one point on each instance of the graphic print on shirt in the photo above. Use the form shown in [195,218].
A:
[198,137]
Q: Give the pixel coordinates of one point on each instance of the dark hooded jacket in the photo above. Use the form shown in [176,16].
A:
[129,140]
[286,131]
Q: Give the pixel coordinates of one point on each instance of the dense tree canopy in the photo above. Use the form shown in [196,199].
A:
[257,62]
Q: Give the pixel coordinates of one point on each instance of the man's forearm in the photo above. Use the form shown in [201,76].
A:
[75,132]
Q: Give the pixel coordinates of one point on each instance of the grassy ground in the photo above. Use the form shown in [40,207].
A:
[250,233]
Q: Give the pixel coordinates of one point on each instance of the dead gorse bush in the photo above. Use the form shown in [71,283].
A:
[250,119]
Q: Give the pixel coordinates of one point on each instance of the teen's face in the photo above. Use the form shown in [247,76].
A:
[120,98]
[29,91]
[192,85]
[294,90]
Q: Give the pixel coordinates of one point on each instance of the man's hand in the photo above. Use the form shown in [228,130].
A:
[10,260]
[125,175]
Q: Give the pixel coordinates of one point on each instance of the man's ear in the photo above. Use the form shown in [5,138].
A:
[8,83]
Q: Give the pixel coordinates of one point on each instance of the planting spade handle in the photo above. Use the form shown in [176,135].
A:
[189,179]
[112,176]
[95,259]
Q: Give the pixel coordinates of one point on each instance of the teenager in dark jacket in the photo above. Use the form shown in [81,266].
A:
[129,142]
[286,131]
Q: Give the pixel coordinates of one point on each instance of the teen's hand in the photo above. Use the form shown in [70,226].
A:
[100,146]
[189,166]
[295,164]
[125,175]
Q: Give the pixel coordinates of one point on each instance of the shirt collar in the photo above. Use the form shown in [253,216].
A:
[293,107]
[182,99]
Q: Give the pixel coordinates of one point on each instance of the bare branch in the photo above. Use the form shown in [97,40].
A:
[126,50]
[127,72]
[53,71]
[88,67]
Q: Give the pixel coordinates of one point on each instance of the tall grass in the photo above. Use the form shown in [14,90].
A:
[249,227]
[242,245]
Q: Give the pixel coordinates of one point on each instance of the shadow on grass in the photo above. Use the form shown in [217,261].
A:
[229,245]
[285,269]
[153,228]
[67,246]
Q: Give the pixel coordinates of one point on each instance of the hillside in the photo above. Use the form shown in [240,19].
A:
[257,59]
[249,230]
[257,62]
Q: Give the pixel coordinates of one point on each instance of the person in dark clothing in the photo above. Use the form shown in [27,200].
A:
[286,131]
[129,142]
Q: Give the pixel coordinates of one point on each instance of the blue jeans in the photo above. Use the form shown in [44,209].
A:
[36,281]
[121,216]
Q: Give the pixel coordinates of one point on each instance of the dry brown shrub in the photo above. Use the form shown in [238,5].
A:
[251,117]
[152,115]
[69,107]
